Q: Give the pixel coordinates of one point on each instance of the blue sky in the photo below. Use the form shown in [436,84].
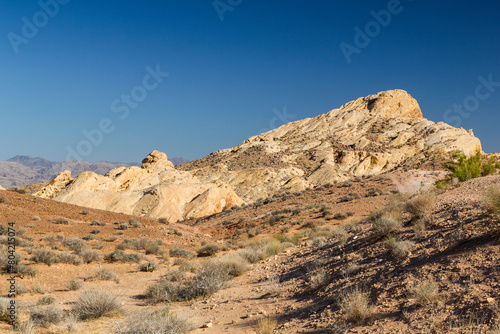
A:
[235,68]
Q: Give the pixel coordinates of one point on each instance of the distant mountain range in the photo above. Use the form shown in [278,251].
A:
[23,170]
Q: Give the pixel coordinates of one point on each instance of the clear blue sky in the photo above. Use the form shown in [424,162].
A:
[229,79]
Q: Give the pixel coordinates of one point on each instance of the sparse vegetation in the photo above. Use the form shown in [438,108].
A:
[491,200]
[355,303]
[421,205]
[75,284]
[156,321]
[104,274]
[180,252]
[384,226]
[134,223]
[426,294]
[207,250]
[92,304]
[400,249]
[465,168]
[46,315]
[120,256]
[46,300]
[266,325]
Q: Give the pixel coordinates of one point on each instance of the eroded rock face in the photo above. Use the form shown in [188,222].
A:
[368,136]
[156,189]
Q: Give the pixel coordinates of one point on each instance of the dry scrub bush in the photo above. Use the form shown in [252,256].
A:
[266,325]
[207,250]
[4,312]
[156,321]
[400,249]
[251,254]
[180,252]
[491,200]
[384,226]
[46,300]
[421,205]
[355,304]
[104,274]
[93,304]
[426,294]
[75,284]
[164,291]
[46,315]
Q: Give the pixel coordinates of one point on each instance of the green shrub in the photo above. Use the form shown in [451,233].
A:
[465,168]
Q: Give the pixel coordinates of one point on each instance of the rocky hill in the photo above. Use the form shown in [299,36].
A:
[22,170]
[369,136]
[156,189]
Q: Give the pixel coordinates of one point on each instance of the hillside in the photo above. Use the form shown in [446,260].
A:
[23,170]
[370,136]
[319,244]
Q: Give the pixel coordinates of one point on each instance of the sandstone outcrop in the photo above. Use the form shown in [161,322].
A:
[156,189]
[368,136]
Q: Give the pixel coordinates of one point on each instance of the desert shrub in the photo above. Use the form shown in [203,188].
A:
[383,227]
[147,267]
[317,277]
[21,289]
[465,168]
[266,325]
[75,284]
[121,256]
[4,311]
[95,231]
[123,226]
[46,256]
[46,315]
[90,256]
[46,300]
[421,205]
[66,257]
[177,275]
[271,247]
[426,294]
[163,221]
[77,245]
[128,244]
[26,327]
[93,304]
[180,252]
[207,250]
[491,200]
[318,241]
[35,218]
[402,249]
[163,291]
[104,274]
[26,270]
[134,223]
[209,280]
[152,248]
[353,269]
[157,321]
[340,216]
[251,254]
[355,303]
[89,237]
[232,263]
[38,288]
[191,267]
[61,221]
[2,199]
[340,235]
[96,223]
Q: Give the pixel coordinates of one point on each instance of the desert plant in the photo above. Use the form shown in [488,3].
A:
[163,291]
[270,247]
[121,256]
[77,245]
[89,237]
[4,309]
[123,226]
[426,294]
[46,315]
[61,221]
[90,256]
[75,284]
[491,200]
[266,325]
[93,304]
[207,250]
[465,168]
[402,249]
[251,254]
[152,248]
[46,300]
[46,256]
[26,327]
[383,227]
[157,321]
[421,205]
[134,223]
[355,303]
[180,252]
[192,267]
[104,274]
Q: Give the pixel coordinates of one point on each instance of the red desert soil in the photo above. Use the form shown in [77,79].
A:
[300,287]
